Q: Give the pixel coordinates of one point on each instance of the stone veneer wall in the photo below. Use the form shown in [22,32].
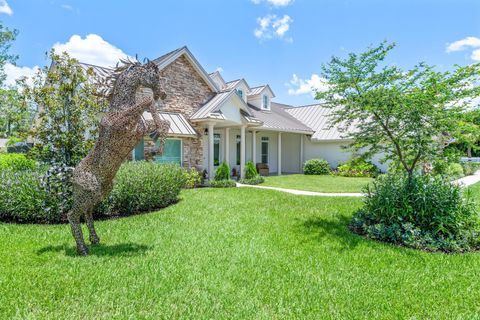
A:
[186,92]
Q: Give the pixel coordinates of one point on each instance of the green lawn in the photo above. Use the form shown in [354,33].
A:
[324,183]
[235,253]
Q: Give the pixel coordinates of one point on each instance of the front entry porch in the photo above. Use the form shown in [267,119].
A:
[236,145]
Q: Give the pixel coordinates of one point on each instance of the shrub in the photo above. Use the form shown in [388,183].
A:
[16,162]
[253,181]
[316,167]
[250,170]
[425,212]
[357,167]
[144,186]
[222,184]
[451,170]
[455,170]
[193,178]
[23,197]
[223,172]
[470,168]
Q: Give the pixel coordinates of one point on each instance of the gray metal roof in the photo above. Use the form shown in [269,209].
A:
[209,109]
[316,117]
[167,56]
[278,119]
[179,126]
[257,90]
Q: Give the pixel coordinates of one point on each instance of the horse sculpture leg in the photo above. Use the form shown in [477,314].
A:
[74,219]
[86,196]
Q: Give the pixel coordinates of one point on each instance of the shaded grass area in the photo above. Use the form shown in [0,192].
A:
[320,183]
[231,253]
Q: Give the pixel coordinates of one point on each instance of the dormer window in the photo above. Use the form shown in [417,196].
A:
[240,93]
[265,102]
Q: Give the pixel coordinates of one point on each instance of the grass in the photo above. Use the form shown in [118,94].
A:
[231,253]
[324,183]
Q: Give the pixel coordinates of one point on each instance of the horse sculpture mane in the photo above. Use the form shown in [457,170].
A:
[121,128]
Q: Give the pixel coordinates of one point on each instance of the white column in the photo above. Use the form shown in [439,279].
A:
[254,147]
[210,151]
[227,146]
[279,156]
[242,152]
[301,153]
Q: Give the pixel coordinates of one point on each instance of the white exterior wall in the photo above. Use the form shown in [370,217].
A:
[333,153]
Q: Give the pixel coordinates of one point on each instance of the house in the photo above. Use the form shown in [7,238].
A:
[213,120]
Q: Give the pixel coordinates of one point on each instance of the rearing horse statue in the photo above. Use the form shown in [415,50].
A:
[121,128]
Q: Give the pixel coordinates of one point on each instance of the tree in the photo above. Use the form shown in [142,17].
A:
[15,115]
[409,116]
[68,110]
[7,36]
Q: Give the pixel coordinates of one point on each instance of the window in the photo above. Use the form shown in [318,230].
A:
[265,102]
[238,149]
[216,149]
[264,149]
[240,93]
[138,152]
[172,152]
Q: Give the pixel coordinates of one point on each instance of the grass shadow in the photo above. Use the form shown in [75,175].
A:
[336,228]
[100,250]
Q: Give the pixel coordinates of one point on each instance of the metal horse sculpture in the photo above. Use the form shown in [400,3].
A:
[121,128]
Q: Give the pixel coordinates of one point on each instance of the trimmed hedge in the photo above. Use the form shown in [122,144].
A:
[426,212]
[316,167]
[144,186]
[222,184]
[16,162]
[253,181]
[223,172]
[38,196]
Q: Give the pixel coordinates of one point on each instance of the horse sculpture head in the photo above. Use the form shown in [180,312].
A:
[151,79]
[121,85]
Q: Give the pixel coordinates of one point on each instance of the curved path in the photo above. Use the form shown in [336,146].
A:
[463,182]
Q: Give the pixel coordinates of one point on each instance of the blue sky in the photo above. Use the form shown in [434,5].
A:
[263,41]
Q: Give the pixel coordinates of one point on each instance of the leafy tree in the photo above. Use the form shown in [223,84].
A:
[408,115]
[68,110]
[15,115]
[7,36]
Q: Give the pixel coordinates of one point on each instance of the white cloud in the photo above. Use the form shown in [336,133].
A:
[464,44]
[475,55]
[14,73]
[300,86]
[468,42]
[275,3]
[219,69]
[271,26]
[91,49]
[5,8]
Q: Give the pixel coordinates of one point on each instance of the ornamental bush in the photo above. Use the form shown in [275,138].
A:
[143,186]
[316,167]
[357,167]
[193,178]
[250,170]
[223,172]
[452,170]
[16,162]
[424,212]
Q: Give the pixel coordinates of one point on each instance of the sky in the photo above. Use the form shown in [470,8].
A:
[282,43]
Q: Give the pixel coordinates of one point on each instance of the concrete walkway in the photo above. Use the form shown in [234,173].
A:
[468,180]
[463,182]
[303,193]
